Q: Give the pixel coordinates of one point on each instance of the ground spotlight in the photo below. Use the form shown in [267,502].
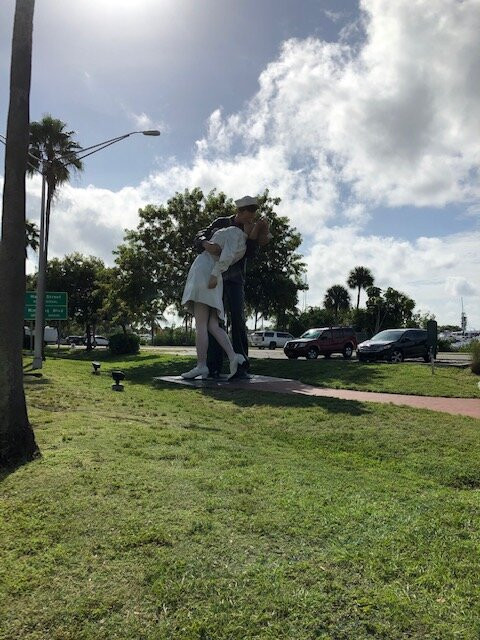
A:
[96,368]
[118,376]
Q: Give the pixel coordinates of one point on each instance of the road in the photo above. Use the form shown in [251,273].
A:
[447,357]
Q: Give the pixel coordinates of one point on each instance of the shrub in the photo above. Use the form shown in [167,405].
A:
[475,365]
[444,345]
[124,343]
[468,348]
[174,337]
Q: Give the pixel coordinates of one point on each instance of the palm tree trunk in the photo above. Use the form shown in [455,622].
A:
[377,322]
[358,298]
[48,208]
[17,441]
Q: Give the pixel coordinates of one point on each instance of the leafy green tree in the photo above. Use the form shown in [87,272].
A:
[131,293]
[337,299]
[311,318]
[399,307]
[449,327]
[81,277]
[420,319]
[360,320]
[155,258]
[163,244]
[389,309]
[116,305]
[17,441]
[376,307]
[360,278]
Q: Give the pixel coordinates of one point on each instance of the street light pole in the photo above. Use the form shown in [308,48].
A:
[40,301]
[42,264]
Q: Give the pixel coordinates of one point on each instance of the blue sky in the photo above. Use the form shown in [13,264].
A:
[362,117]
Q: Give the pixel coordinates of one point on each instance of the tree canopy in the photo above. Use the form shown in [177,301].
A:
[154,260]
[81,277]
[337,299]
[360,278]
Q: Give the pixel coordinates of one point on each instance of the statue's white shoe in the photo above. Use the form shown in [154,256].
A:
[234,364]
[195,373]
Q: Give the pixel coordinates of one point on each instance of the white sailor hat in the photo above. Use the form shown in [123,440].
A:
[246,201]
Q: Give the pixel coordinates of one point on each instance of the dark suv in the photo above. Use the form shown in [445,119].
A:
[323,341]
[395,345]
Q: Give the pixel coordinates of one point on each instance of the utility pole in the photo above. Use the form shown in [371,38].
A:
[463,320]
[40,303]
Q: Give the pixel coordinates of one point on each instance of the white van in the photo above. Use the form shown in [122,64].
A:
[50,334]
[270,339]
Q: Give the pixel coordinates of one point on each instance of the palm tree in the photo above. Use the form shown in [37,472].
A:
[337,299]
[50,141]
[360,278]
[54,152]
[17,441]
[32,236]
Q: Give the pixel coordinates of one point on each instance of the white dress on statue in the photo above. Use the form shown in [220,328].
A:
[233,242]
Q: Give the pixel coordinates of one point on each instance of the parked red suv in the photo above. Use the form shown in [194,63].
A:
[323,341]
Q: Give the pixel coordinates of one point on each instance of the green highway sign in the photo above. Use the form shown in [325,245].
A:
[56,305]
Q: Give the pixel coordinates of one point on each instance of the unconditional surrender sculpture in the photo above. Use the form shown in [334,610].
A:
[220,270]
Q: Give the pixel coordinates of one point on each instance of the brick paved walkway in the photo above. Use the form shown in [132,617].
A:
[456,406]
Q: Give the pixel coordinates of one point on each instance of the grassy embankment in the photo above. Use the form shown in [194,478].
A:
[167,512]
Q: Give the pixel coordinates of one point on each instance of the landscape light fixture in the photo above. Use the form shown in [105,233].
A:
[96,368]
[117,376]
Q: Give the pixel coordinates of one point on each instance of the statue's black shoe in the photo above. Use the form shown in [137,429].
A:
[241,374]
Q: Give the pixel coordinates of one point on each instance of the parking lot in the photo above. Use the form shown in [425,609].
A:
[446,358]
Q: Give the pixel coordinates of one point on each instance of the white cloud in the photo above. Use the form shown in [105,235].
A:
[460,287]
[397,120]
[142,121]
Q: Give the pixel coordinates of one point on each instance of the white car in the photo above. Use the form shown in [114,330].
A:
[98,341]
[269,339]
[462,342]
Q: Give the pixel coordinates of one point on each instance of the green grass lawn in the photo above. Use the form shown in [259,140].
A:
[337,373]
[409,378]
[175,513]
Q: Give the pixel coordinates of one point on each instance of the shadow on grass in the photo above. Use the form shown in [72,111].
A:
[337,373]
[144,374]
[30,381]
[12,467]
[142,369]
[252,398]
[98,355]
